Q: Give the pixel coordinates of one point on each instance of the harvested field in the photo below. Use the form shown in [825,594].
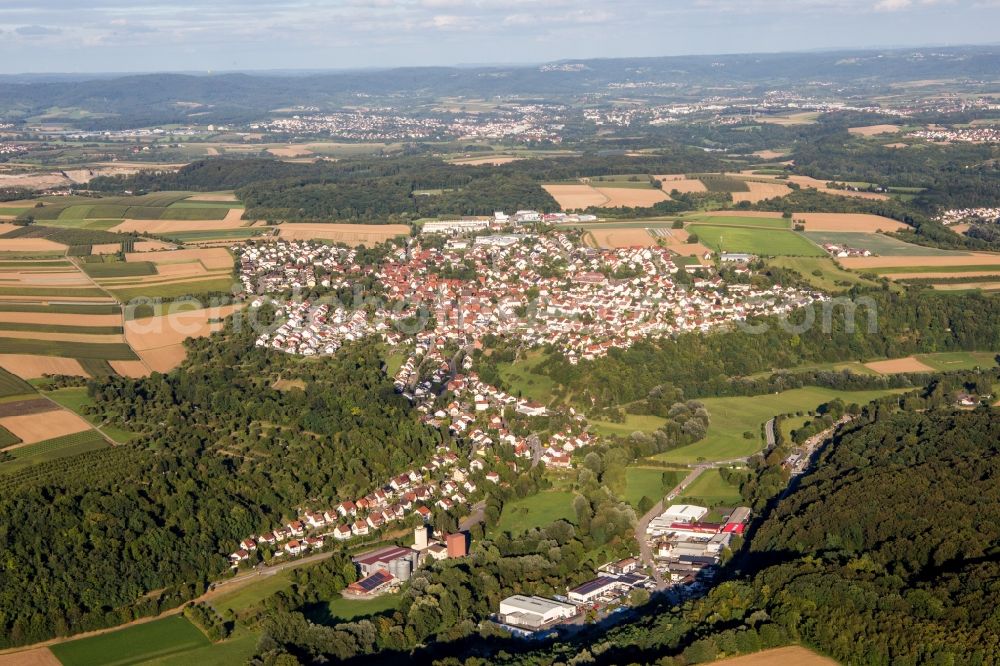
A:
[848,222]
[896,145]
[739,213]
[495,160]
[873,130]
[962,286]
[164,359]
[30,245]
[37,657]
[34,181]
[769,154]
[633,197]
[898,365]
[56,423]
[803,118]
[681,183]
[574,197]
[944,275]
[105,248]
[351,234]
[761,191]
[213,196]
[793,655]
[613,238]
[232,220]
[690,249]
[62,337]
[956,259]
[174,328]
[134,369]
[210,258]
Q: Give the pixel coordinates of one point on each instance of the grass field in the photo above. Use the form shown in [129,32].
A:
[235,650]
[62,308]
[243,598]
[832,278]
[523,382]
[962,360]
[762,242]
[711,490]
[722,220]
[75,399]
[649,482]
[632,423]
[536,510]
[341,609]
[731,417]
[133,645]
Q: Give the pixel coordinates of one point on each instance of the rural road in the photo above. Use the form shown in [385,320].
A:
[476,516]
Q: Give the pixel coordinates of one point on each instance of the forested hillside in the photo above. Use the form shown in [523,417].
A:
[221,454]
[702,365]
[887,553]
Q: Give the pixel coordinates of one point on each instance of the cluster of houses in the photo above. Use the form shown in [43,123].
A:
[12,148]
[841,251]
[440,484]
[281,266]
[964,135]
[960,215]
[308,330]
[689,548]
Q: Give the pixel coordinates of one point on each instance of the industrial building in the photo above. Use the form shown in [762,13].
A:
[400,562]
[677,513]
[534,613]
[591,590]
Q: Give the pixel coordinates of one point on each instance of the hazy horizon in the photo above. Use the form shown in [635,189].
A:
[118,37]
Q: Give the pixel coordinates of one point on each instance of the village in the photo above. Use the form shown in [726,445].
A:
[537,287]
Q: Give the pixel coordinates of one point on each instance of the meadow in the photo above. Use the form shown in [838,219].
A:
[879,244]
[536,511]
[651,482]
[831,277]
[711,490]
[521,379]
[731,417]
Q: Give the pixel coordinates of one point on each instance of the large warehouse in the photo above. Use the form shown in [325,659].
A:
[534,612]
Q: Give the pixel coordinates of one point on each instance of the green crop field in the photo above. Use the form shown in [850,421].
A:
[52,449]
[174,290]
[710,489]
[832,278]
[112,351]
[133,645]
[24,290]
[193,213]
[7,438]
[536,511]
[891,270]
[60,328]
[880,244]
[760,222]
[215,234]
[63,308]
[13,385]
[113,269]
[731,417]
[762,242]
[649,482]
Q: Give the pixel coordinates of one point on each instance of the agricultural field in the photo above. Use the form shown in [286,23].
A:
[133,645]
[758,191]
[740,219]
[759,241]
[732,417]
[794,655]
[721,183]
[632,423]
[52,449]
[159,340]
[681,183]
[874,130]
[536,510]
[351,234]
[849,222]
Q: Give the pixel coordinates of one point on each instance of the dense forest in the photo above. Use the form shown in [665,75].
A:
[220,454]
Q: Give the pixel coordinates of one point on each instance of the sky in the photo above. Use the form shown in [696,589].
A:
[220,35]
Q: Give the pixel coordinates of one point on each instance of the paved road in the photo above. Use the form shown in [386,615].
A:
[645,549]
[769,433]
[476,516]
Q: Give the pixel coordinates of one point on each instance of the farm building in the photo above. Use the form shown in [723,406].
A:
[386,558]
